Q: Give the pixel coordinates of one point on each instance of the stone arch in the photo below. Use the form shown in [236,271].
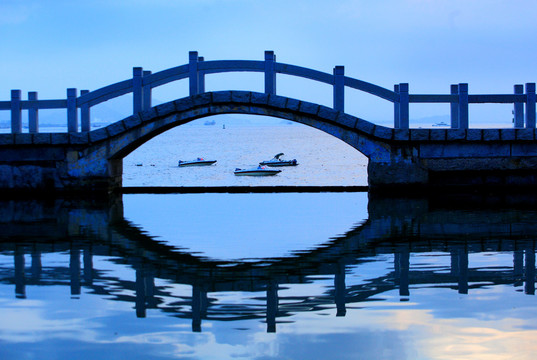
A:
[123,137]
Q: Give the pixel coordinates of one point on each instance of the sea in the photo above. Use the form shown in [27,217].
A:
[265,275]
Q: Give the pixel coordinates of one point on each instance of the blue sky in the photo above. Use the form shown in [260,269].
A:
[50,45]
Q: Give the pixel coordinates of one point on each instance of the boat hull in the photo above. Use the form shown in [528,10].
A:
[256,172]
[196,163]
[279,163]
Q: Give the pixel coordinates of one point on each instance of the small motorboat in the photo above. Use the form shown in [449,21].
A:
[259,171]
[197,162]
[276,161]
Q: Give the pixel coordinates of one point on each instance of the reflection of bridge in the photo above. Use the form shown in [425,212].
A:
[93,231]
[397,156]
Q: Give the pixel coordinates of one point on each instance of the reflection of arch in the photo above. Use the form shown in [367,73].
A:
[421,228]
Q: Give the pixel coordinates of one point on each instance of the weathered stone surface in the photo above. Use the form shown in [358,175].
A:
[148,115]
[221,97]
[524,149]
[401,134]
[474,135]
[365,126]
[41,139]
[116,128]
[491,134]
[132,121]
[292,104]
[184,103]
[455,134]
[201,99]
[98,135]
[6,139]
[277,101]
[524,134]
[23,139]
[346,120]
[308,108]
[259,98]
[383,132]
[59,138]
[507,134]
[438,134]
[419,134]
[166,108]
[79,138]
[328,113]
[242,97]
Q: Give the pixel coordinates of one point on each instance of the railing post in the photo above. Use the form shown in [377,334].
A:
[403,106]
[33,116]
[137,90]
[396,108]
[463,106]
[454,107]
[146,90]
[518,108]
[530,105]
[72,113]
[201,78]
[84,114]
[16,112]
[339,88]
[270,74]
[193,72]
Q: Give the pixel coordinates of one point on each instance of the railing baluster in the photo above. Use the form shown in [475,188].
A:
[463,106]
[85,122]
[454,107]
[33,116]
[530,105]
[16,112]
[193,72]
[396,108]
[146,90]
[137,90]
[518,108]
[339,88]
[270,74]
[72,111]
[201,78]
[403,106]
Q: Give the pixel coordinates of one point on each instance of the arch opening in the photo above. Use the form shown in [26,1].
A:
[237,140]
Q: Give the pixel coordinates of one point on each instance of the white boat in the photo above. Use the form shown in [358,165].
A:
[276,161]
[259,171]
[197,162]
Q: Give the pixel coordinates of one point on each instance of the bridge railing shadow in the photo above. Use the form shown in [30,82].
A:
[143,82]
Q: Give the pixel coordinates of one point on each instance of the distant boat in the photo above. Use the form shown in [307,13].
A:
[197,162]
[276,161]
[209,122]
[441,124]
[259,171]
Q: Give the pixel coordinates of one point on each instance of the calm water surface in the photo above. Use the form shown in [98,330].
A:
[265,276]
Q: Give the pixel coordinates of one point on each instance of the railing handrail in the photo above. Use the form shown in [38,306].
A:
[143,82]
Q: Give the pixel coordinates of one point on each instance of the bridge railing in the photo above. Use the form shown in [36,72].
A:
[142,83]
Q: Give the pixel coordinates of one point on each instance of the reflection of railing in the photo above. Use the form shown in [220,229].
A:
[142,83]
[198,306]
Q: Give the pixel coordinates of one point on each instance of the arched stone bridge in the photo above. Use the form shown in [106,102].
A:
[93,160]
[398,156]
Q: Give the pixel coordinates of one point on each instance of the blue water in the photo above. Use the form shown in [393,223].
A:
[265,275]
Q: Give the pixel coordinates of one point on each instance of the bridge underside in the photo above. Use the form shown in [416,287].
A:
[413,158]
